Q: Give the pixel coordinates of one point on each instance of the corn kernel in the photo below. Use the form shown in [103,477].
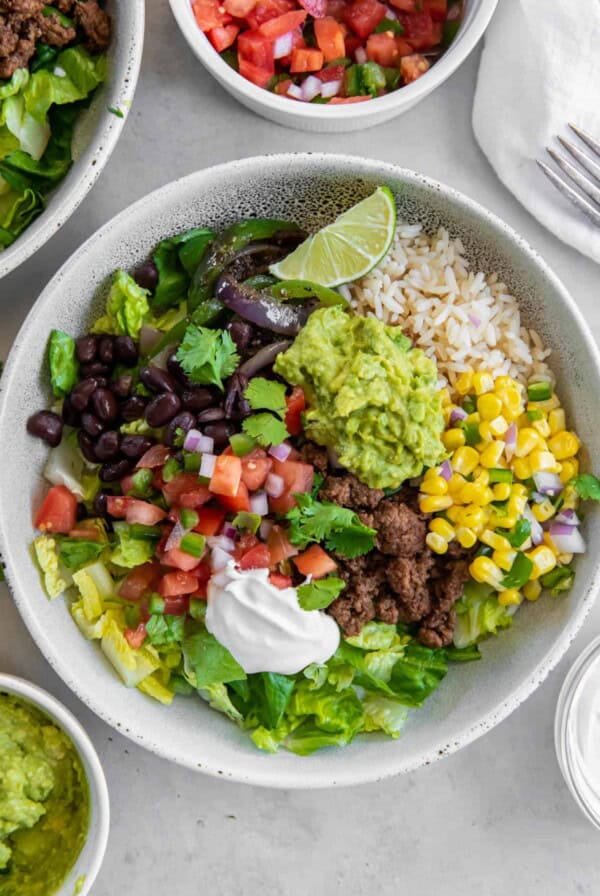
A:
[543,511]
[472,517]
[482,382]
[564,445]
[489,406]
[474,493]
[464,382]
[542,427]
[437,544]
[557,421]
[501,491]
[431,473]
[512,402]
[443,528]
[527,440]
[498,426]
[570,468]
[485,570]
[435,503]
[503,522]
[521,468]
[543,461]
[466,537]
[504,559]
[482,477]
[445,397]
[465,460]
[490,456]
[455,485]
[532,590]
[509,598]
[565,559]
[453,439]
[493,540]
[518,490]
[434,486]
[485,431]
[549,405]
[454,513]
[550,544]
[543,560]
[473,418]
[516,505]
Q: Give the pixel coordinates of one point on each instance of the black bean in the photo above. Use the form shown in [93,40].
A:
[135,446]
[82,511]
[107,445]
[121,387]
[210,415]
[197,399]
[157,380]
[162,409]
[133,408]
[183,421]
[46,425]
[91,424]
[99,504]
[86,348]
[82,392]
[106,350]
[220,432]
[146,275]
[126,350]
[87,446]
[241,333]
[96,368]
[69,414]
[115,469]
[104,404]
[176,370]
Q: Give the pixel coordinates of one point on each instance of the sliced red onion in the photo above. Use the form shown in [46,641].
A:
[283,45]
[568,516]
[548,483]
[537,532]
[160,360]
[311,87]
[264,357]
[510,440]
[330,88]
[295,92]
[207,445]
[219,559]
[207,465]
[360,54]
[457,414]
[446,470]
[259,503]
[149,337]
[274,485]
[567,539]
[264,529]
[229,531]
[220,543]
[281,451]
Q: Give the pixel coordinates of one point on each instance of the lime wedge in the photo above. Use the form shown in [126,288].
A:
[347,249]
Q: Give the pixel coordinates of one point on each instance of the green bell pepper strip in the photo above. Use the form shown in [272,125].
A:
[304,289]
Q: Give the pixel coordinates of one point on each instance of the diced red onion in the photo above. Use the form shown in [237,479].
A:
[207,445]
[265,528]
[510,440]
[567,539]
[330,88]
[311,87]
[281,451]
[454,13]
[457,414]
[229,531]
[283,45]
[176,534]
[192,440]
[446,470]
[207,465]
[537,498]
[568,516]
[259,503]
[220,543]
[149,337]
[219,559]
[295,92]
[537,533]
[474,320]
[160,360]
[548,483]
[274,485]
[360,54]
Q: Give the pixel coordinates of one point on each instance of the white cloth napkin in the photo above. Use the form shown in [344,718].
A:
[540,69]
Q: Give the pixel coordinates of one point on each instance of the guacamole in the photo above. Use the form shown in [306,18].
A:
[370,396]
[44,801]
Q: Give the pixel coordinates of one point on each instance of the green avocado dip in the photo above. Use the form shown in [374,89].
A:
[44,801]
[370,396]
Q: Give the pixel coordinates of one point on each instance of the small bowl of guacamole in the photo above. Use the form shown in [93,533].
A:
[54,808]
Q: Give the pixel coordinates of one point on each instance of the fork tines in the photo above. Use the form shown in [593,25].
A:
[589,186]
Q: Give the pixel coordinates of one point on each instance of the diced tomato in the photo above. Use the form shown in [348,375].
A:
[306,61]
[412,67]
[330,38]
[282,88]
[315,562]
[179,559]
[254,73]
[342,100]
[201,592]
[437,9]
[127,483]
[116,505]
[195,498]
[239,9]
[275,28]
[298,43]
[352,44]
[174,583]
[156,456]
[85,531]
[403,46]
[279,580]
[405,5]
[283,503]
[223,37]
[177,606]
[317,8]
[418,29]
[255,469]
[210,520]
[332,73]
[280,546]
[238,502]
[227,475]
[383,49]
[264,10]
[438,33]
[141,579]
[143,512]
[297,476]
[210,14]
[336,9]
[184,483]
[257,49]
[135,637]
[363,16]
[258,557]
[58,512]
[203,572]
[245,542]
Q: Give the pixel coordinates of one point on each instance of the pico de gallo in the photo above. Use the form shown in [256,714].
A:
[330,51]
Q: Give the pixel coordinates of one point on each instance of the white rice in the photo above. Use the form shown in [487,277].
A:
[459,318]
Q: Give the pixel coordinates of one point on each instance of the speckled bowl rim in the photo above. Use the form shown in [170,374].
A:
[297,780]
[65,720]
[89,166]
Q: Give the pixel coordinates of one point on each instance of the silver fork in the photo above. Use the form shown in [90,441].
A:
[589,186]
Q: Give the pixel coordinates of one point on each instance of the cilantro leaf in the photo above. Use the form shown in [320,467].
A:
[266,395]
[266,429]
[340,528]
[587,486]
[207,356]
[165,630]
[319,594]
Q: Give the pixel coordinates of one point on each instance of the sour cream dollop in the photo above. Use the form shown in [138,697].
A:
[264,627]
[586,713]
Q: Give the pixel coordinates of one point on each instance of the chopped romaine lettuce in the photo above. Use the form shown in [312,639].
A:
[131,664]
[56,578]
[153,687]
[95,584]
[126,308]
[384,714]
[479,614]
[66,466]
[131,551]
[64,368]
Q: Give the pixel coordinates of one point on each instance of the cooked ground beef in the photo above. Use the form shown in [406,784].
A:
[18,36]
[348,491]
[95,24]
[315,455]
[55,34]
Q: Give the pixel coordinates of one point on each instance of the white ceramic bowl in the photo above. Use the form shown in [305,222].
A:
[310,189]
[95,136]
[90,859]
[334,119]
